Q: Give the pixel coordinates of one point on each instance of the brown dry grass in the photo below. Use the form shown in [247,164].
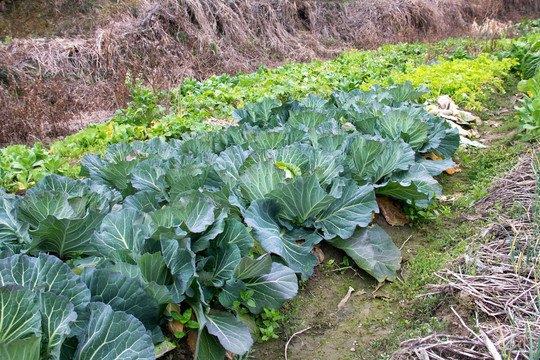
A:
[44,82]
[494,287]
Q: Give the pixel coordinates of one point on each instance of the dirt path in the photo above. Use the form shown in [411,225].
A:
[338,333]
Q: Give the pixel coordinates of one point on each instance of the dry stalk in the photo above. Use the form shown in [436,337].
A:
[165,41]
[499,279]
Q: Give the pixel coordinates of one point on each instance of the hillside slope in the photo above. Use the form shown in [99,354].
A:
[80,62]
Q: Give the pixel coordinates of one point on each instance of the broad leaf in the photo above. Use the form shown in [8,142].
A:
[184,180]
[120,230]
[198,145]
[250,268]
[57,183]
[20,317]
[47,271]
[235,233]
[145,201]
[114,335]
[208,347]
[272,289]
[294,246]
[272,284]
[22,349]
[114,174]
[298,156]
[301,199]
[309,119]
[66,236]
[57,316]
[154,269]
[449,144]
[442,139]
[314,102]
[327,165]
[166,223]
[373,251]
[181,262]
[405,123]
[373,159]
[35,208]
[118,152]
[197,212]
[436,167]
[159,292]
[270,139]
[122,294]
[222,262]
[231,332]
[229,162]
[82,194]
[354,208]
[413,185]
[200,242]
[364,122]
[149,175]
[259,113]
[405,92]
[11,230]
[331,143]
[154,148]
[259,179]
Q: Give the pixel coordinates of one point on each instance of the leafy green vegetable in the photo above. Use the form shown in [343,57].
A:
[262,216]
[112,335]
[45,307]
[530,64]
[374,250]
[219,223]
[529,113]
[465,78]
[353,208]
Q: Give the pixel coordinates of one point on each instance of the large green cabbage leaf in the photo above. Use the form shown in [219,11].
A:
[373,251]
[113,335]
[262,216]
[43,304]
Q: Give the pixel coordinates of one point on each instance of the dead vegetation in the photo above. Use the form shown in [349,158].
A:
[45,82]
[494,287]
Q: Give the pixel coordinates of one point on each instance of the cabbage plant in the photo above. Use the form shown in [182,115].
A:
[226,222]
[47,311]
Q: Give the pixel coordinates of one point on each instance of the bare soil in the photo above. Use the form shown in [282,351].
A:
[340,334]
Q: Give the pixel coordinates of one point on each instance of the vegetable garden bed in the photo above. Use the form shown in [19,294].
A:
[207,231]
[159,223]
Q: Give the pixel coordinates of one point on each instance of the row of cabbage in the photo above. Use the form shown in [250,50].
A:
[529,113]
[463,76]
[222,223]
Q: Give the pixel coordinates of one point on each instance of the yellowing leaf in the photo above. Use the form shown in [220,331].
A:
[453,170]
[432,156]
[175,326]
[391,212]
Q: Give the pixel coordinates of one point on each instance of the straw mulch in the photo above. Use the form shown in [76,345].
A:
[495,287]
[45,83]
